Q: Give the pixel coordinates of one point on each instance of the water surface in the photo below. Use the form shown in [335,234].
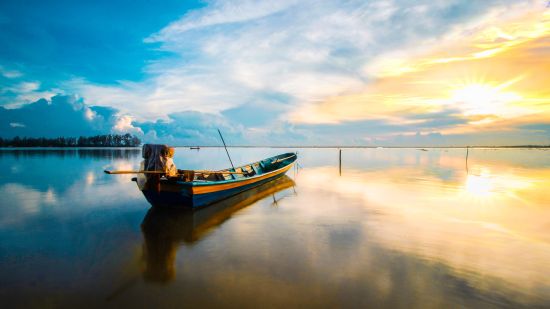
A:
[385,228]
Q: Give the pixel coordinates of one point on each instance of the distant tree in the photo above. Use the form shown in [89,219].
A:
[117,140]
[16,142]
[109,140]
[135,141]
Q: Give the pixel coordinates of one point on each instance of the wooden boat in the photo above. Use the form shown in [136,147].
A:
[206,188]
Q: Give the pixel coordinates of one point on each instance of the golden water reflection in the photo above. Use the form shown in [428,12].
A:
[399,228]
[425,233]
[488,224]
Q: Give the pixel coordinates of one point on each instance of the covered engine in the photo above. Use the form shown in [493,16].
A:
[159,158]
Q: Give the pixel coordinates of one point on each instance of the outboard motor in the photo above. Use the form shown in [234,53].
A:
[159,158]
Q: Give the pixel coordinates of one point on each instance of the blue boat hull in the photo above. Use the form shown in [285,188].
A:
[185,199]
[200,194]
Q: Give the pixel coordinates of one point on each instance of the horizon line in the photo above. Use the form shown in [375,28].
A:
[292,146]
[355,146]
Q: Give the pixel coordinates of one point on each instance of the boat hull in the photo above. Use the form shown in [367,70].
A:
[200,194]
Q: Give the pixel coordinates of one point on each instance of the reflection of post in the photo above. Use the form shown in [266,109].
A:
[340,162]
[467,152]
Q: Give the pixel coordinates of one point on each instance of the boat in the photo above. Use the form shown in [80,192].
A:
[195,189]
[194,148]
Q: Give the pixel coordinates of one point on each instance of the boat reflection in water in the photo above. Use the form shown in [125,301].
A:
[165,228]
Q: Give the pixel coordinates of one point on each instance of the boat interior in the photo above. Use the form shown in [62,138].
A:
[241,172]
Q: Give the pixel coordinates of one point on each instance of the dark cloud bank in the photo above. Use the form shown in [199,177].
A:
[61,116]
[66,115]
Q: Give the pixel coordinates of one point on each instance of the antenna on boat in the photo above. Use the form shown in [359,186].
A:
[226,150]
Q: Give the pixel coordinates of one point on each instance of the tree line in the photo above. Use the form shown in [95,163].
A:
[108,140]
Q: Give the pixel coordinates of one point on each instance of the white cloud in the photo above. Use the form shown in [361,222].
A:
[288,53]
[76,118]
[9,73]
[232,53]
[89,114]
[124,125]
[17,125]
[20,93]
[22,87]
[221,12]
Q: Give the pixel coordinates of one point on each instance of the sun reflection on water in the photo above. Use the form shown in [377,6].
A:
[487,185]
[475,222]
[479,185]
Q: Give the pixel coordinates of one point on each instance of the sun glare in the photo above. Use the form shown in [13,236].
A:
[481,99]
[487,186]
[479,185]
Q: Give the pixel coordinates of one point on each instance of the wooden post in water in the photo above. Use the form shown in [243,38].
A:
[340,161]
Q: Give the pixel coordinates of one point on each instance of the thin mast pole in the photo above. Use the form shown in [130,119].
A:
[226,150]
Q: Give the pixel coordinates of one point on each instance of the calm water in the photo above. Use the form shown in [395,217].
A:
[391,228]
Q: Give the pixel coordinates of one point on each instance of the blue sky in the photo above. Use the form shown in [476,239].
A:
[99,40]
[285,72]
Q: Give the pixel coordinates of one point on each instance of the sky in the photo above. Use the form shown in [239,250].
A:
[288,72]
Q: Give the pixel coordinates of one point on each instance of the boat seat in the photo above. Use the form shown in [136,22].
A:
[238,170]
[249,171]
[215,177]
[186,175]
[256,168]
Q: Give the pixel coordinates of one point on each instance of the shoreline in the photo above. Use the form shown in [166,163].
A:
[360,147]
[292,147]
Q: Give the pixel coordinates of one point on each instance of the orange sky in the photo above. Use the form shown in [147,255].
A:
[495,76]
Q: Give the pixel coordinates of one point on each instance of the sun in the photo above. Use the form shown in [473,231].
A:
[483,99]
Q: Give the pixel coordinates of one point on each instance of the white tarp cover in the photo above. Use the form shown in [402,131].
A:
[159,158]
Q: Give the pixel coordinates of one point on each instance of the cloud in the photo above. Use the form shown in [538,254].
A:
[414,129]
[70,116]
[315,72]
[192,128]
[9,73]
[233,53]
[65,115]
[59,116]
[124,125]
[17,91]
[221,13]
[494,94]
